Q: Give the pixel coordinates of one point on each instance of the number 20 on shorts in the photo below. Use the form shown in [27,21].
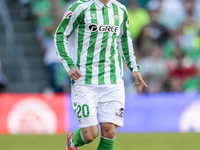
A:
[82,111]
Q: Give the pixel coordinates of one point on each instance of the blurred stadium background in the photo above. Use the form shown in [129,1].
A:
[35,88]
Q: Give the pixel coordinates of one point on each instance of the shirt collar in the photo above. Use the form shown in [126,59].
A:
[100,4]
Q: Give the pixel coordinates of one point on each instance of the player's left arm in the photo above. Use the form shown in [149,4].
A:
[127,52]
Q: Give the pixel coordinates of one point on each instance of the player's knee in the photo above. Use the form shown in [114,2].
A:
[109,133]
[90,137]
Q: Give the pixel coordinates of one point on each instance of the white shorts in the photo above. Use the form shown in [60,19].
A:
[104,101]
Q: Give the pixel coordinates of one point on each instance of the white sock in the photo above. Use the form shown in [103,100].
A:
[108,138]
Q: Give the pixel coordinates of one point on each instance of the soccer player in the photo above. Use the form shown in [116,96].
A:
[91,41]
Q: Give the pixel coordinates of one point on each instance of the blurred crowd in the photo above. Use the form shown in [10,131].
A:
[48,14]
[166,35]
[3,80]
[166,39]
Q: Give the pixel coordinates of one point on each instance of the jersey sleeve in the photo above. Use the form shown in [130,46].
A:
[126,46]
[70,21]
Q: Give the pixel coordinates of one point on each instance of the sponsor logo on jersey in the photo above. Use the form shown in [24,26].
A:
[93,27]
[68,15]
[103,28]
[120,113]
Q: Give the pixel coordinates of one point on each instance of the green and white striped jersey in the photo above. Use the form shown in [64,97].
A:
[94,37]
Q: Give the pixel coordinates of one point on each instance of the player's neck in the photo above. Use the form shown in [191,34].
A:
[105,2]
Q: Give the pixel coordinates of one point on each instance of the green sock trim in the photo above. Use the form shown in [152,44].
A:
[106,144]
[77,139]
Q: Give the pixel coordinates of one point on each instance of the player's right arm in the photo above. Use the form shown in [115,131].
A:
[70,21]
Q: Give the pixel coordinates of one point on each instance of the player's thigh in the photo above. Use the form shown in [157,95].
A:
[111,105]
[85,105]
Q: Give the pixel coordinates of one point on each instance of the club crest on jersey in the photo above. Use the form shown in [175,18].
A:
[68,15]
[116,16]
[103,28]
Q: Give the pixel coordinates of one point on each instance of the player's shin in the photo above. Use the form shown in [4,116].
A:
[106,144]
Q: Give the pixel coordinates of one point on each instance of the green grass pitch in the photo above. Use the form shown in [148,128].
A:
[167,141]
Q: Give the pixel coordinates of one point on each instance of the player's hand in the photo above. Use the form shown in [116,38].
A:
[74,73]
[139,82]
